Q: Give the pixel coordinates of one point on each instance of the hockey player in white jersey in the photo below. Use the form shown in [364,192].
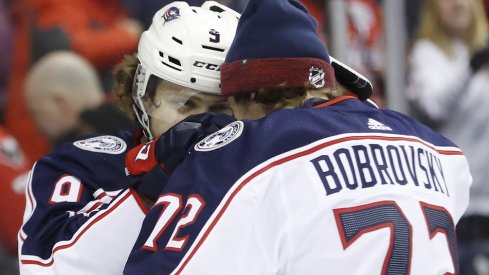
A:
[312,180]
[83,213]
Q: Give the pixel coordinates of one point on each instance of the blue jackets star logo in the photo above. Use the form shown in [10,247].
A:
[171,14]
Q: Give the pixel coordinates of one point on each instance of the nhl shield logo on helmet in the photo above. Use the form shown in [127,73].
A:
[220,138]
[316,77]
[171,14]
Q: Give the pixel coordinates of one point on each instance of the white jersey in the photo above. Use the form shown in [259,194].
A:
[305,192]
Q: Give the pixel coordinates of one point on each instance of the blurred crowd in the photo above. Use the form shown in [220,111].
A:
[56,58]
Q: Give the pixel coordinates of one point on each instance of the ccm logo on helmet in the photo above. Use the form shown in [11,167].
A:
[208,66]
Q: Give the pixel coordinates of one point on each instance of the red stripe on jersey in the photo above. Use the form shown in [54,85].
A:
[139,200]
[336,100]
[101,195]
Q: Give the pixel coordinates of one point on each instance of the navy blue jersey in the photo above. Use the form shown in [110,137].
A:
[298,192]
[77,209]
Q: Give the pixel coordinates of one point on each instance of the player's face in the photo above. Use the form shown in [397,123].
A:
[455,15]
[174,103]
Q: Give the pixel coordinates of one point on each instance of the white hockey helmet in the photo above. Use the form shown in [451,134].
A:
[184,45]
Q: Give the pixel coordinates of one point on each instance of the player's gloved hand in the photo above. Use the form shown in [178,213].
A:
[173,146]
[154,161]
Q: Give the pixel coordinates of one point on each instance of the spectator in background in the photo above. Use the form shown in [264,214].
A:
[98,30]
[449,95]
[66,99]
[6,34]
[450,31]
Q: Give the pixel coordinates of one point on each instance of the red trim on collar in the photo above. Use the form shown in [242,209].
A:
[336,100]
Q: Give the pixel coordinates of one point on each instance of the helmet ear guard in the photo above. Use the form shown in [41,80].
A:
[186,46]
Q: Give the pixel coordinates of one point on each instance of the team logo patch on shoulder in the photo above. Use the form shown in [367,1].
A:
[102,144]
[221,138]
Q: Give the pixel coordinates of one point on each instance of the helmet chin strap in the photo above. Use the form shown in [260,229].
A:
[144,121]
[139,87]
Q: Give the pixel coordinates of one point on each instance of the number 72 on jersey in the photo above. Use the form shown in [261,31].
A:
[352,224]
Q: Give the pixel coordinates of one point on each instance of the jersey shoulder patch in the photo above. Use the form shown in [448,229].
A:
[102,144]
[221,138]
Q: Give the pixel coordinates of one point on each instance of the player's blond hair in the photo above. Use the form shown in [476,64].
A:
[288,98]
[430,27]
[122,76]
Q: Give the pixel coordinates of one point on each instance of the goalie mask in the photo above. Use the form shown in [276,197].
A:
[185,46]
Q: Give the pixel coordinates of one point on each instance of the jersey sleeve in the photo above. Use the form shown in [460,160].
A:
[72,223]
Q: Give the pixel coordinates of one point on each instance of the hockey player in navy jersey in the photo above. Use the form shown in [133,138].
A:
[83,213]
[312,180]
